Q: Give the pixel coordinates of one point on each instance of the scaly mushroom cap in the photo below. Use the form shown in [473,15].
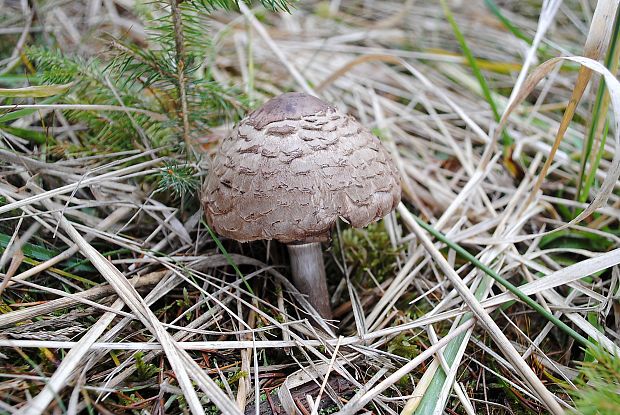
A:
[291,168]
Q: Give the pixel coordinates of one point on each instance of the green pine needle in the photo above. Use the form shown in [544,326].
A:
[178,179]
[598,391]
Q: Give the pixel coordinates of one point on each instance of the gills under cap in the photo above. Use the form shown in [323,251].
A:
[292,167]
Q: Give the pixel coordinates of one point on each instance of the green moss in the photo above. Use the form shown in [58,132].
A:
[402,346]
[234,378]
[368,252]
[144,371]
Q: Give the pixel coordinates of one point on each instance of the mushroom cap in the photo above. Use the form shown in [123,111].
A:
[291,168]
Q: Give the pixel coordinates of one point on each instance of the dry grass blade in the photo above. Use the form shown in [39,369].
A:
[181,363]
[115,216]
[548,12]
[73,299]
[73,359]
[483,317]
[564,276]
[600,31]
[363,397]
[450,382]
[185,345]
[301,81]
[113,175]
[613,172]
[133,300]
[83,107]
[120,194]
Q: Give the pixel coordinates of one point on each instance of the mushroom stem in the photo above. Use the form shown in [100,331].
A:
[308,270]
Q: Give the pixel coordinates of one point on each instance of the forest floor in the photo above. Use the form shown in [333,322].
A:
[107,128]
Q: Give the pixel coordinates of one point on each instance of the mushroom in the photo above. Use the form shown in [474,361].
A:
[288,171]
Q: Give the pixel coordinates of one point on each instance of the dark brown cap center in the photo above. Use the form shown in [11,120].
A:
[291,106]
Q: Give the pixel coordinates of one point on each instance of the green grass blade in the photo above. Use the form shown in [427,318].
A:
[493,8]
[20,79]
[41,253]
[471,60]
[599,115]
[30,135]
[228,258]
[508,285]
[36,91]
[429,401]
[15,115]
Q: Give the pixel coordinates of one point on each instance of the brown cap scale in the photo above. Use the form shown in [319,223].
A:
[291,168]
